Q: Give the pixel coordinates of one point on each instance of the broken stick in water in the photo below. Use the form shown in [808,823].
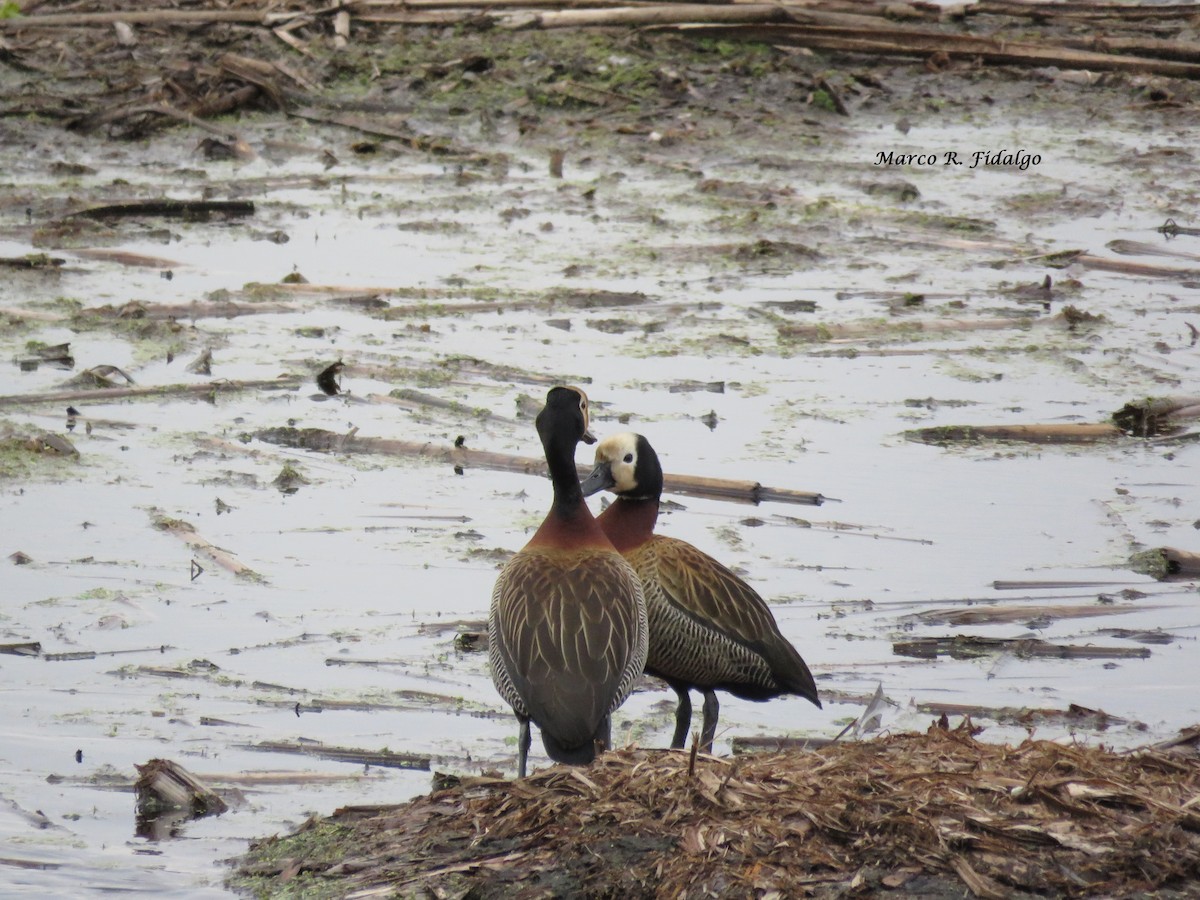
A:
[768,744]
[996,615]
[31,261]
[186,532]
[382,758]
[192,210]
[1155,415]
[165,786]
[195,309]
[464,457]
[99,395]
[1035,434]
[969,647]
[413,399]
[1073,715]
[1166,563]
[25,648]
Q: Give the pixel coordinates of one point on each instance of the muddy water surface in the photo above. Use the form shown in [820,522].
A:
[343,632]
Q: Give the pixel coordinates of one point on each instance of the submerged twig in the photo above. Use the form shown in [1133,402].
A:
[854,34]
[186,532]
[193,210]
[907,328]
[411,398]
[382,758]
[992,615]
[438,146]
[1171,228]
[99,395]
[1152,416]
[32,261]
[1036,434]
[1023,715]
[969,647]
[24,648]
[1164,563]
[770,744]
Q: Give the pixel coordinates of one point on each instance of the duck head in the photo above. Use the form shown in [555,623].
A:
[565,414]
[627,465]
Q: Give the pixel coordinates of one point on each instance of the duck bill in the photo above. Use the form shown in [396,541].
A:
[588,437]
[600,479]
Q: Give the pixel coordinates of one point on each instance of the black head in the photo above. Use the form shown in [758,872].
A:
[627,465]
[565,415]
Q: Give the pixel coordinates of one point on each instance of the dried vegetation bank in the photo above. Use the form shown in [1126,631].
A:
[927,814]
[273,57]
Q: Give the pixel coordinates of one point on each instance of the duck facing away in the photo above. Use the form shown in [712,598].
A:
[567,627]
[709,630]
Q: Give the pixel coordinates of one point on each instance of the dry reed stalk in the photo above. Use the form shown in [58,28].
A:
[186,532]
[1150,416]
[1036,434]
[465,457]
[102,395]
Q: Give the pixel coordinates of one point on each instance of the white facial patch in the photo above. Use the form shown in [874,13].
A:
[620,452]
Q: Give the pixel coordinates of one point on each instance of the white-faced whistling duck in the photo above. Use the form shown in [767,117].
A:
[567,626]
[709,630]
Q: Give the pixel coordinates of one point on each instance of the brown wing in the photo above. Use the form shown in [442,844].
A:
[716,600]
[568,638]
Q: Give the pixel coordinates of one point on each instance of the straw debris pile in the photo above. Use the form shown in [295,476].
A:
[930,814]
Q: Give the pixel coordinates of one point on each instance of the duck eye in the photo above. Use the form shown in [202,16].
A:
[628,457]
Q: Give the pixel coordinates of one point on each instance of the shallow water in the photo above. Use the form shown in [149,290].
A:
[368,571]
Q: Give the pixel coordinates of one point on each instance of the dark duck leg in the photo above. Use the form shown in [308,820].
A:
[683,717]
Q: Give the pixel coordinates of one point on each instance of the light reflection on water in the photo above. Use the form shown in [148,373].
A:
[363,564]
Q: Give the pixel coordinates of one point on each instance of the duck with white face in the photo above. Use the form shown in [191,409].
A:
[709,630]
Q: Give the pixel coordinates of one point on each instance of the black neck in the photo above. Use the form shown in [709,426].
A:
[564,476]
[649,473]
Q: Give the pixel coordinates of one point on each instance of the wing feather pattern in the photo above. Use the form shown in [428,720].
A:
[568,639]
[710,628]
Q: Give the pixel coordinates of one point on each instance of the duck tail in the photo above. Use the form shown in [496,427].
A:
[802,683]
[580,754]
